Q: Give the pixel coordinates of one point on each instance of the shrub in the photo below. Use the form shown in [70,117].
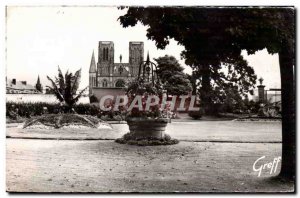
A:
[87,109]
[16,111]
[37,109]
[65,88]
[24,109]
[93,99]
[196,114]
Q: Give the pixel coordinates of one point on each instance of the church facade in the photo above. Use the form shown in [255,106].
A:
[108,77]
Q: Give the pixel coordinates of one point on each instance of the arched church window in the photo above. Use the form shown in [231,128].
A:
[106,53]
[94,81]
[103,54]
[104,83]
[120,83]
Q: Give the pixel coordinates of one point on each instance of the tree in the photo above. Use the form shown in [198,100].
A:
[193,80]
[170,72]
[206,46]
[38,85]
[212,36]
[233,101]
[65,88]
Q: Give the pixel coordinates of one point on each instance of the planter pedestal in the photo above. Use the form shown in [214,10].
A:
[147,132]
[143,128]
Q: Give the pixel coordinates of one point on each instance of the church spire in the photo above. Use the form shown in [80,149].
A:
[38,85]
[38,80]
[93,64]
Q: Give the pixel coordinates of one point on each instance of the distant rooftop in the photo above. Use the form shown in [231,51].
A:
[136,42]
[12,84]
[106,42]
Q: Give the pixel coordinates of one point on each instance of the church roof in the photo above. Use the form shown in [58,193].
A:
[93,64]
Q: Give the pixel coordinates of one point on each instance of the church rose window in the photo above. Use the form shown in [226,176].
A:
[120,69]
[120,83]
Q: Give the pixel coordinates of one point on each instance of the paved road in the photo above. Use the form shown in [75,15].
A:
[106,166]
[229,131]
[194,165]
[232,131]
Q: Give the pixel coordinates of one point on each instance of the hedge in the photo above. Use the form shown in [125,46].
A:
[17,111]
[36,109]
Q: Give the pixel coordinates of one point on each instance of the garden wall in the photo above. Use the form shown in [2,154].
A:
[100,92]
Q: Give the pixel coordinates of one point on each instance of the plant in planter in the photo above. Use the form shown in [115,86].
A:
[65,89]
[147,123]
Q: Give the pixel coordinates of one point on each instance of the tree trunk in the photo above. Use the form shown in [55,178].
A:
[287,70]
[194,84]
[205,96]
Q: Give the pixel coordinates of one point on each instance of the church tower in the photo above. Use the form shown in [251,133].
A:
[136,56]
[105,58]
[92,74]
[106,76]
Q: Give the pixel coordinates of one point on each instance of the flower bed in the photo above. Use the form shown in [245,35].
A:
[65,120]
[17,112]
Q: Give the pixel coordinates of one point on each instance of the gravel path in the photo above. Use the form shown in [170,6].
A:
[105,166]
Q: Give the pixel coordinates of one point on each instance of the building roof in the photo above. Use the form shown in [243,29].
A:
[19,85]
[93,64]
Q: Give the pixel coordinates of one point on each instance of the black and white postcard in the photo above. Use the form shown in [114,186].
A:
[150,99]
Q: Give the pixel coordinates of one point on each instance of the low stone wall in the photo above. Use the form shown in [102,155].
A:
[101,92]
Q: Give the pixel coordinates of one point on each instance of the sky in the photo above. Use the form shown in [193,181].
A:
[41,38]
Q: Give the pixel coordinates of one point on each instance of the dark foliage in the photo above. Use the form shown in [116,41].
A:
[17,111]
[171,74]
[196,114]
[213,36]
[65,88]
[140,87]
[93,99]
[36,109]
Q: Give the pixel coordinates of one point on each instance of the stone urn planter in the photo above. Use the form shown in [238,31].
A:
[147,132]
[147,127]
